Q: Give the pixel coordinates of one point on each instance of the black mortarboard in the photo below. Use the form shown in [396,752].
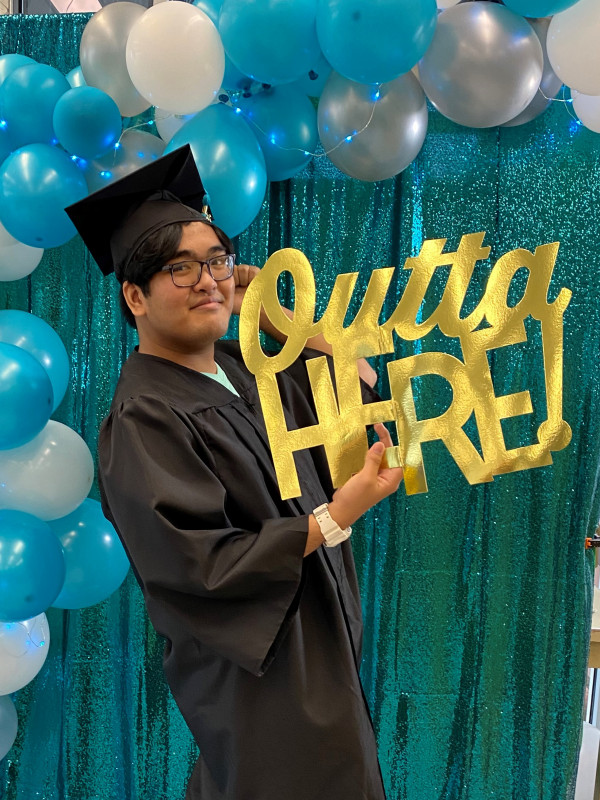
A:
[114,221]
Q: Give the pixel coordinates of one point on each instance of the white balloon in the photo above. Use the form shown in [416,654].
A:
[8,725]
[572,46]
[167,123]
[587,109]
[23,650]
[442,4]
[16,259]
[48,477]
[175,57]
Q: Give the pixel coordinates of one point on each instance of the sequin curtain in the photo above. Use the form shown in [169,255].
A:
[476,599]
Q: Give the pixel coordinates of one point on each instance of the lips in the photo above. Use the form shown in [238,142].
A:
[208,301]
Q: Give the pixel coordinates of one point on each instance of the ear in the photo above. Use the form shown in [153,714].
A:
[135,298]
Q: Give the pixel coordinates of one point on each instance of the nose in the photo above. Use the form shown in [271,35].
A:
[206,283]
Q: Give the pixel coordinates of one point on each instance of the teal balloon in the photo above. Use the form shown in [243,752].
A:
[233,78]
[375,41]
[25,397]
[36,337]
[6,144]
[32,566]
[87,122]
[285,123]
[538,8]
[96,563]
[230,163]
[313,82]
[37,182]
[272,41]
[10,62]
[27,100]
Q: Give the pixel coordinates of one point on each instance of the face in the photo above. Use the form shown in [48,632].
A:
[186,319]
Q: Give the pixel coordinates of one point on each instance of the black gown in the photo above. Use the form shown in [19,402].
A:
[262,645]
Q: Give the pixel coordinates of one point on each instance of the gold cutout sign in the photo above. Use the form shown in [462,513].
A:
[342,416]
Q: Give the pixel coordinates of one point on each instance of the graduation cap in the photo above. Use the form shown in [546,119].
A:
[114,221]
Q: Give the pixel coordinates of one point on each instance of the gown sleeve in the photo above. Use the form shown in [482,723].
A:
[234,590]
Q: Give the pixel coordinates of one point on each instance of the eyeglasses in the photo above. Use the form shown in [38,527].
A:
[188,273]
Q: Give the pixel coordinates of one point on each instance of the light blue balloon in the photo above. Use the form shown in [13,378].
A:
[96,563]
[27,100]
[87,122]
[538,8]
[285,123]
[313,82]
[233,78]
[375,41]
[32,334]
[32,566]
[272,41]
[10,62]
[25,397]
[230,163]
[37,182]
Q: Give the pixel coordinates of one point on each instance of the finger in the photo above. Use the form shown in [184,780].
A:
[384,434]
[392,477]
[242,274]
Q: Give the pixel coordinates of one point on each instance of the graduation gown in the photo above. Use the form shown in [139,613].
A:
[262,645]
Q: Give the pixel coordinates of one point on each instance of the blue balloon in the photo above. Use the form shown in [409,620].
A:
[272,41]
[32,334]
[87,122]
[313,82]
[230,162]
[25,396]
[32,566]
[95,560]
[6,143]
[233,78]
[285,123]
[27,100]
[37,182]
[539,8]
[10,62]
[377,41]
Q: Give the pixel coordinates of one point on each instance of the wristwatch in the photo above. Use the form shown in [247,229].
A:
[331,531]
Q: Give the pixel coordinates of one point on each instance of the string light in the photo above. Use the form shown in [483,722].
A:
[271,137]
[3,123]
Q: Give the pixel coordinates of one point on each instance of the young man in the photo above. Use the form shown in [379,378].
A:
[256,597]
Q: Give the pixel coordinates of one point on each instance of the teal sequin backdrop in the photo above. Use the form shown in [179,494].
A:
[476,599]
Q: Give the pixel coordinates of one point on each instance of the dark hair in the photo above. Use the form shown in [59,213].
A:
[153,253]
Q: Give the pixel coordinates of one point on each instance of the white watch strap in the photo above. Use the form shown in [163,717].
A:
[331,531]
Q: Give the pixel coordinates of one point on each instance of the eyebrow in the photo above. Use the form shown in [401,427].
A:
[216,248]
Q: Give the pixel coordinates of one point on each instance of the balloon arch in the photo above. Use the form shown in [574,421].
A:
[274,85]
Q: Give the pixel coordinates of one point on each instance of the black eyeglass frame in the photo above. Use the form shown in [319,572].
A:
[201,264]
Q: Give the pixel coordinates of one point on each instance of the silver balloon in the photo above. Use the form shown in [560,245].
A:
[395,116]
[8,725]
[136,149]
[102,55]
[483,66]
[549,85]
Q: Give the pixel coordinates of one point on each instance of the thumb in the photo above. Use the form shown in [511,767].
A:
[373,458]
